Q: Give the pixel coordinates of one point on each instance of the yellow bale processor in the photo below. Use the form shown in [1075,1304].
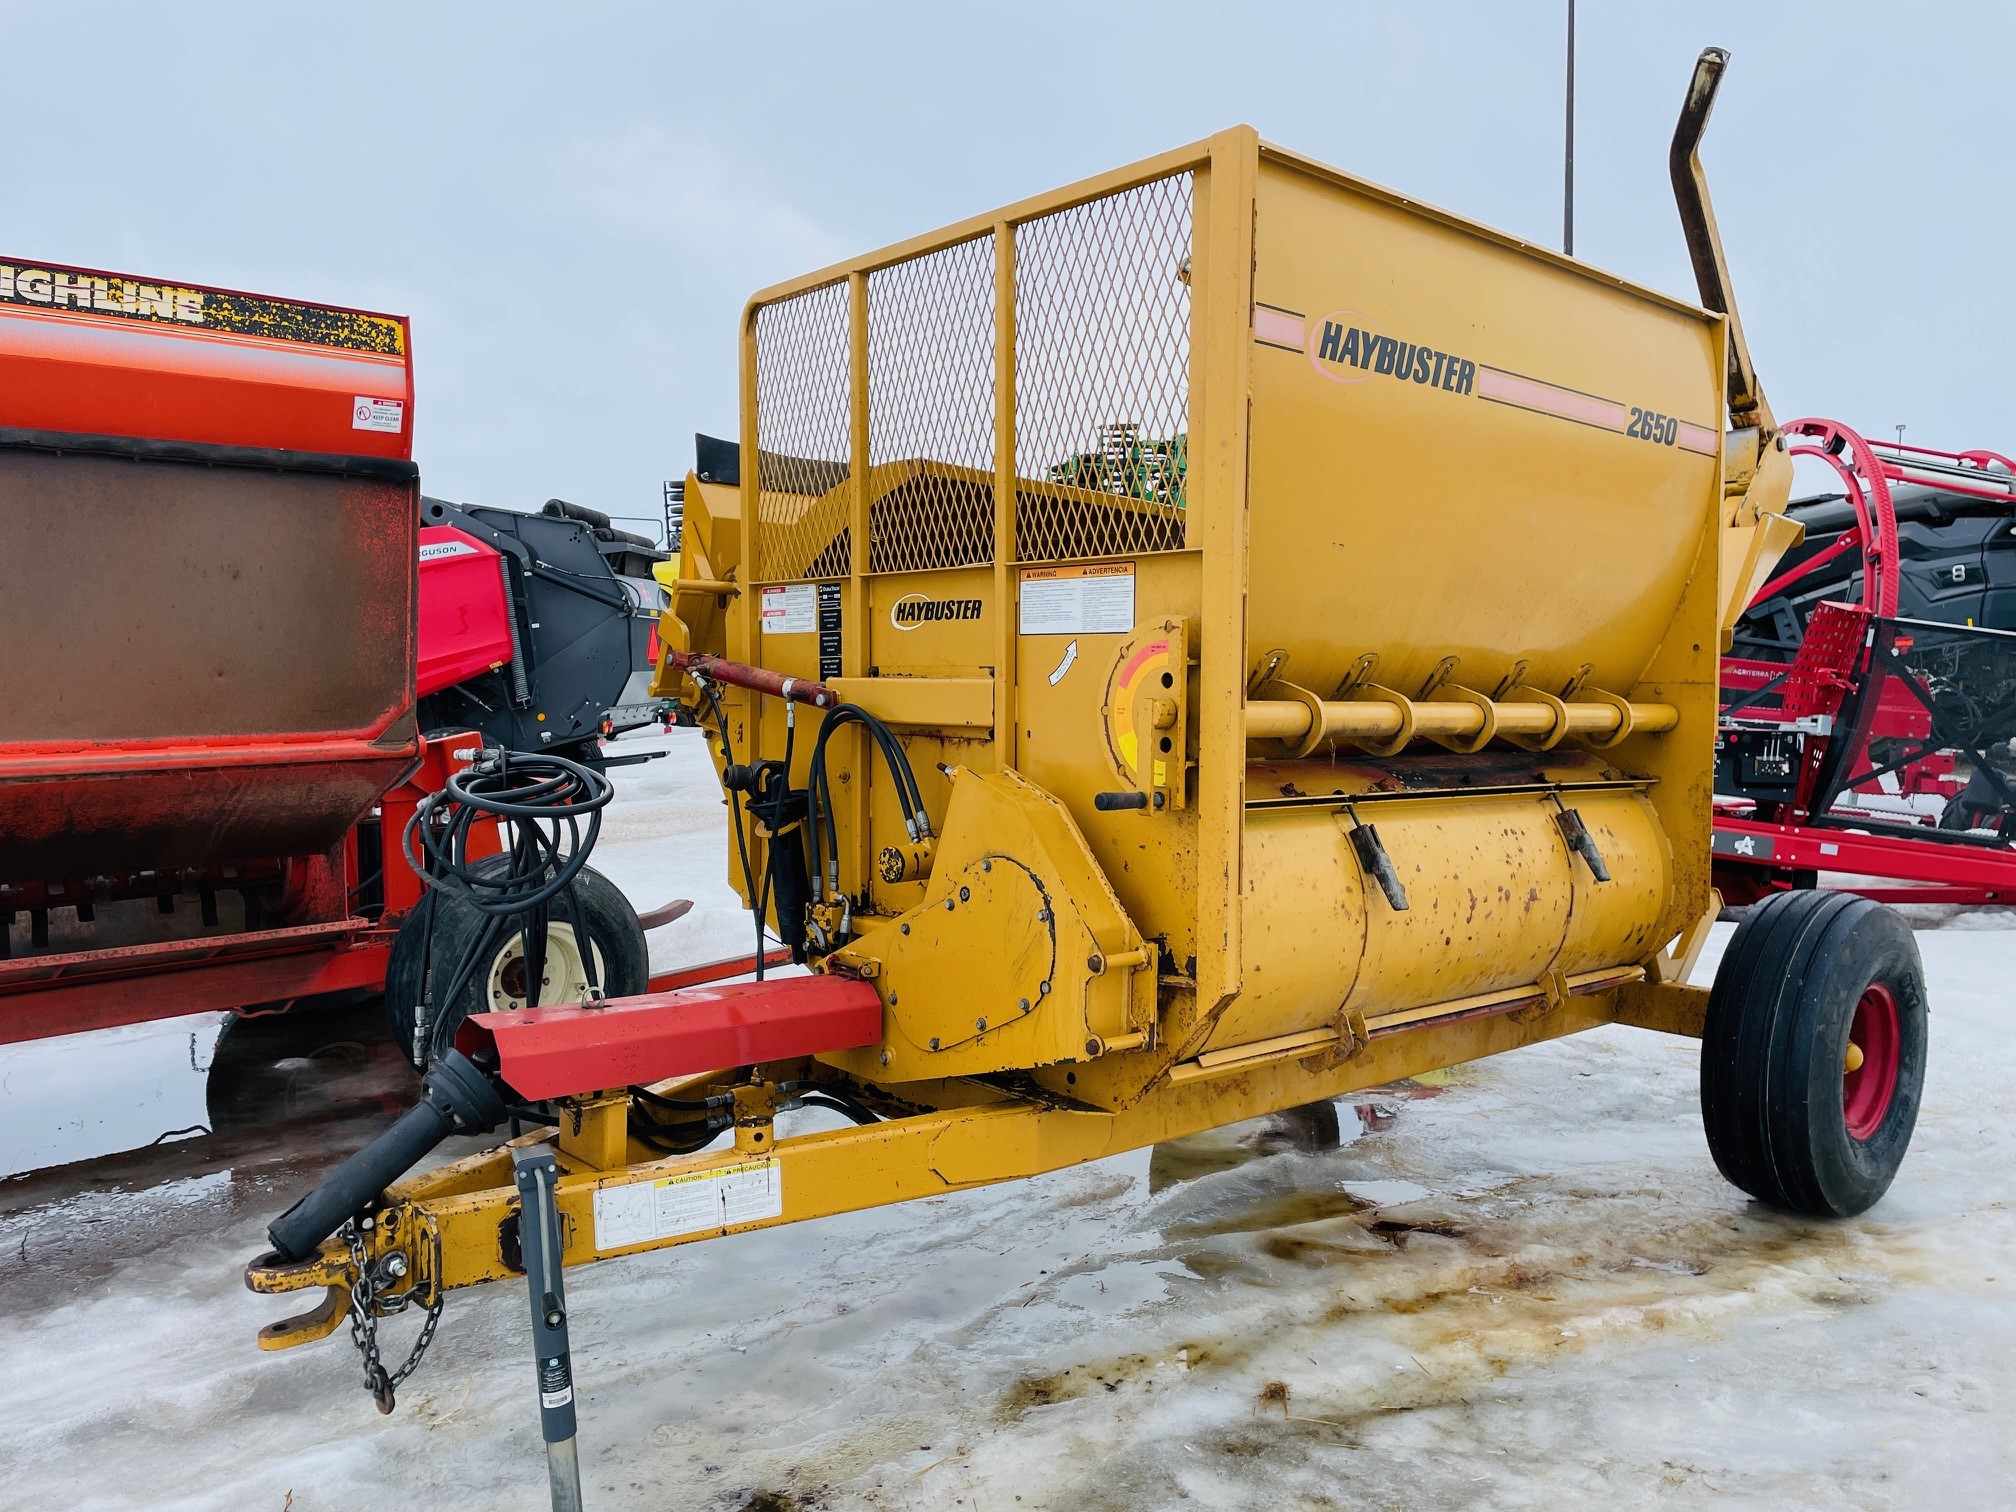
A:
[1189,645]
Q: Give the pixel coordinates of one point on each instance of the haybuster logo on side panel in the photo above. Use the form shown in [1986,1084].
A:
[914,609]
[1346,346]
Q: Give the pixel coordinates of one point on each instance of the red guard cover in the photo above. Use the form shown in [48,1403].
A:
[556,1052]
[465,625]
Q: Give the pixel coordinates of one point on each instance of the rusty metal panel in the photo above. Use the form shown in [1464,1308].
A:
[100,989]
[160,814]
[204,663]
[150,601]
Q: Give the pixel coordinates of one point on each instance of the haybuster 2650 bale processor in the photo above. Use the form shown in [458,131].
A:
[1202,641]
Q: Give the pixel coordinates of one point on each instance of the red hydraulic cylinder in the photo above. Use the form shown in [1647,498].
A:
[755,679]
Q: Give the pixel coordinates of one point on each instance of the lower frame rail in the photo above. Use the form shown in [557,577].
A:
[614,1196]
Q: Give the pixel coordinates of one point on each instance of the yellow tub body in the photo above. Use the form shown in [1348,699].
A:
[1182,523]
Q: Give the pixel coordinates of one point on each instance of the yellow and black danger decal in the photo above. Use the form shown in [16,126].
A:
[47,287]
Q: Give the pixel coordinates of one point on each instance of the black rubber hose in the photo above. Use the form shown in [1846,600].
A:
[784,864]
[907,794]
[738,823]
[554,810]
[839,1102]
[678,1139]
[456,1098]
[820,803]
[680,1105]
[540,794]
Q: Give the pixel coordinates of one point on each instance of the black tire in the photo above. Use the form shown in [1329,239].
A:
[623,965]
[1803,970]
[1959,814]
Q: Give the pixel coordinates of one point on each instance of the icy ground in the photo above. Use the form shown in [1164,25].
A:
[1523,1285]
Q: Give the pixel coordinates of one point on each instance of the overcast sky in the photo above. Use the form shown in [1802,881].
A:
[573,201]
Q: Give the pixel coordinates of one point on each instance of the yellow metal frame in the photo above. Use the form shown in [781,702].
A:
[1221,284]
[938,1138]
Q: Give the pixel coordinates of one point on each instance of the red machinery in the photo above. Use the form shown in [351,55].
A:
[208,742]
[210,509]
[1845,758]
[535,629]
[465,620]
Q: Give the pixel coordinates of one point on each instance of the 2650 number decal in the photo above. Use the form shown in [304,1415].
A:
[1660,430]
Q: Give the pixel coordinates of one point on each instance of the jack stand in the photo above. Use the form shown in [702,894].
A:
[536,1172]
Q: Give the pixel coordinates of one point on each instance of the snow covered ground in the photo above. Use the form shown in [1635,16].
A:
[1522,1284]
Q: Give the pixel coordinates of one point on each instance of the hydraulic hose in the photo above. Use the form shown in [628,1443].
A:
[735,817]
[819,811]
[456,1098]
[554,809]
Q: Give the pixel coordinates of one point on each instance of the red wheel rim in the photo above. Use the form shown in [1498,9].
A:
[1877,1032]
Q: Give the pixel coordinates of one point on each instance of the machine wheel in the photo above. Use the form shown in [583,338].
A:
[622,963]
[1813,1054]
[1959,814]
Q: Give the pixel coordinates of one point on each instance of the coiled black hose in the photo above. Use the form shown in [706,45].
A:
[553,808]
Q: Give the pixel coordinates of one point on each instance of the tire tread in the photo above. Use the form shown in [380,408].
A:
[1781,1005]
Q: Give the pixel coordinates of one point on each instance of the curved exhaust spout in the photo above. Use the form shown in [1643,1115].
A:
[1756,471]
[1747,409]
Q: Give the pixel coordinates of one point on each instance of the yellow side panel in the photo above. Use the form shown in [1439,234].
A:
[1530,490]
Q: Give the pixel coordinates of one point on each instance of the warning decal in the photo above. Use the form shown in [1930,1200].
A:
[367,414]
[829,631]
[1095,600]
[699,1202]
[792,610]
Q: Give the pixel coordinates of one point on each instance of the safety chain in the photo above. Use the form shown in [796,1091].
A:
[369,1302]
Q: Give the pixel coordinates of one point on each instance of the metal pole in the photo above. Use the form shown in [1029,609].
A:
[1568,160]
[536,1172]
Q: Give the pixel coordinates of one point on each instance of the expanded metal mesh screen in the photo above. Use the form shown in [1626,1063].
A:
[1102,398]
[804,394]
[931,410]
[1102,374]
